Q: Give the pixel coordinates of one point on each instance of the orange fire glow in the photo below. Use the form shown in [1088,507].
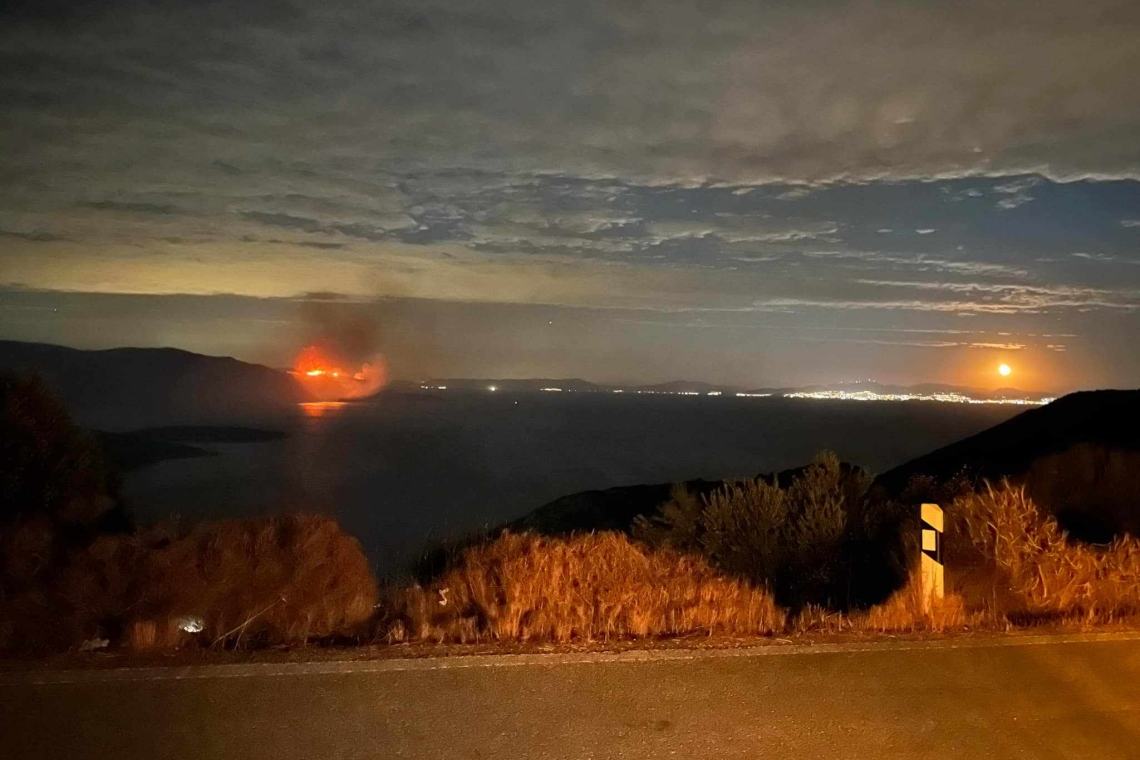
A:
[324,377]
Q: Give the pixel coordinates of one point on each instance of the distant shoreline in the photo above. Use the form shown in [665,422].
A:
[135,449]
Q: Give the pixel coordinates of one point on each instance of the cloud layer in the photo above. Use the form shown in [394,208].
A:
[728,166]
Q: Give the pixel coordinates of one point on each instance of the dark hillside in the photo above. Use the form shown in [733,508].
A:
[135,387]
[616,508]
[1105,419]
[1079,457]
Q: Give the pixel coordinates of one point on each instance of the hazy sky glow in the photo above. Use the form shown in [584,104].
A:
[756,193]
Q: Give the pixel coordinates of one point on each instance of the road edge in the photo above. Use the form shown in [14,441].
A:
[642,656]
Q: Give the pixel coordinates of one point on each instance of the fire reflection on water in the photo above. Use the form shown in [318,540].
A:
[317,409]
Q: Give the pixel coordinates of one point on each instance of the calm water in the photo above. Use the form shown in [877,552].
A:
[412,467]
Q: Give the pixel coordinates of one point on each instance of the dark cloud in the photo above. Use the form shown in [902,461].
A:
[686,91]
[286,221]
[229,169]
[38,236]
[359,230]
[824,162]
[161,209]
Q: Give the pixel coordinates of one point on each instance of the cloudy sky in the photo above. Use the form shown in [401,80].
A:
[760,193]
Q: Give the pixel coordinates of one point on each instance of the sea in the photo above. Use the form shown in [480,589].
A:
[408,468]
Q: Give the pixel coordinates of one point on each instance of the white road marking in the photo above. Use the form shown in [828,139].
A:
[646,656]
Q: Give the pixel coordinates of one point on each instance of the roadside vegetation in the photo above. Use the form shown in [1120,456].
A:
[73,571]
[822,552]
[590,587]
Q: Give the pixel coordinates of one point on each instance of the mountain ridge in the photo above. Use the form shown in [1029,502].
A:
[123,388]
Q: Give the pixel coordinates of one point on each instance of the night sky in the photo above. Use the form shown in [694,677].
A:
[743,192]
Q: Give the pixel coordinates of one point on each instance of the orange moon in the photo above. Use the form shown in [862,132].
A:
[1004,370]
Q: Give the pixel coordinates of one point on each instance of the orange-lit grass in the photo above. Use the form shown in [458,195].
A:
[285,579]
[1008,564]
[522,587]
[1038,572]
[292,578]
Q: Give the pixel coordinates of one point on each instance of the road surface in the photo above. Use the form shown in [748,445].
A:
[1022,697]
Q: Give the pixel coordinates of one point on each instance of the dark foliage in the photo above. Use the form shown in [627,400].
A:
[821,539]
[49,467]
[1093,491]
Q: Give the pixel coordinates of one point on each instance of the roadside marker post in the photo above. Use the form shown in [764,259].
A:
[933,571]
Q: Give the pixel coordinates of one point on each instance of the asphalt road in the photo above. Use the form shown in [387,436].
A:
[1023,697]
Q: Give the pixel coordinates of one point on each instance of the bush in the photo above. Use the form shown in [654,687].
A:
[282,580]
[582,588]
[1040,572]
[48,466]
[58,594]
[285,579]
[69,571]
[796,540]
[57,505]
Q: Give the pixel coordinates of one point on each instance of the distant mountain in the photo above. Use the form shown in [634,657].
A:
[125,388]
[1101,418]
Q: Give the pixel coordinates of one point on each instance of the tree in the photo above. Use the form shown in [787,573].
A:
[49,467]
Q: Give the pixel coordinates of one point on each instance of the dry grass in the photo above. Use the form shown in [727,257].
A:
[583,588]
[290,579]
[54,594]
[903,612]
[1007,563]
[285,579]
[1039,572]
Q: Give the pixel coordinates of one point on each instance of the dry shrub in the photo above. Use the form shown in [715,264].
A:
[283,579]
[522,587]
[1046,575]
[54,593]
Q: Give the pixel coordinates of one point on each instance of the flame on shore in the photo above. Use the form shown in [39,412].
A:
[325,377]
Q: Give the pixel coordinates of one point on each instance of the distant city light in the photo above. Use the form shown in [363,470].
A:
[953,398]
[950,397]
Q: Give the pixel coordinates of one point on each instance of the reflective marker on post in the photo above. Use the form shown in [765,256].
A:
[933,573]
